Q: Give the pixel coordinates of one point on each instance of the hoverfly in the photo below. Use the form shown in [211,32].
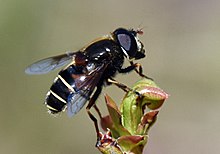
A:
[89,69]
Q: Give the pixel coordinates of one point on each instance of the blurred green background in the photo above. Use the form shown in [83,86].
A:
[182,39]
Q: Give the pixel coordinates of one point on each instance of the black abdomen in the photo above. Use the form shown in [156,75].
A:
[61,89]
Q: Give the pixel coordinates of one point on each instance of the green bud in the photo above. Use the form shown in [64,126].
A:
[130,124]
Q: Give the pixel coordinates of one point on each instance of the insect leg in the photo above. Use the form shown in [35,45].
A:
[127,69]
[139,70]
[91,104]
[97,110]
[122,86]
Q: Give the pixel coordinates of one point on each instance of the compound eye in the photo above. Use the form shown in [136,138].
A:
[125,41]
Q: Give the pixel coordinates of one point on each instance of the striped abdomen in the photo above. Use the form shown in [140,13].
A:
[63,86]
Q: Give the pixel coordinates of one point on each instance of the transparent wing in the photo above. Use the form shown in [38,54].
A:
[76,102]
[49,64]
[85,86]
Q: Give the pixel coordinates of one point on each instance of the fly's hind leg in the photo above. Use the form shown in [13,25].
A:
[92,104]
[97,110]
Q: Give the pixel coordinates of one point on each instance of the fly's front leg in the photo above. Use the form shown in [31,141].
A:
[127,69]
[139,70]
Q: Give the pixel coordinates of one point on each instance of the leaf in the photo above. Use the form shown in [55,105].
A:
[153,97]
[132,143]
[131,112]
[117,128]
[107,144]
[147,121]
